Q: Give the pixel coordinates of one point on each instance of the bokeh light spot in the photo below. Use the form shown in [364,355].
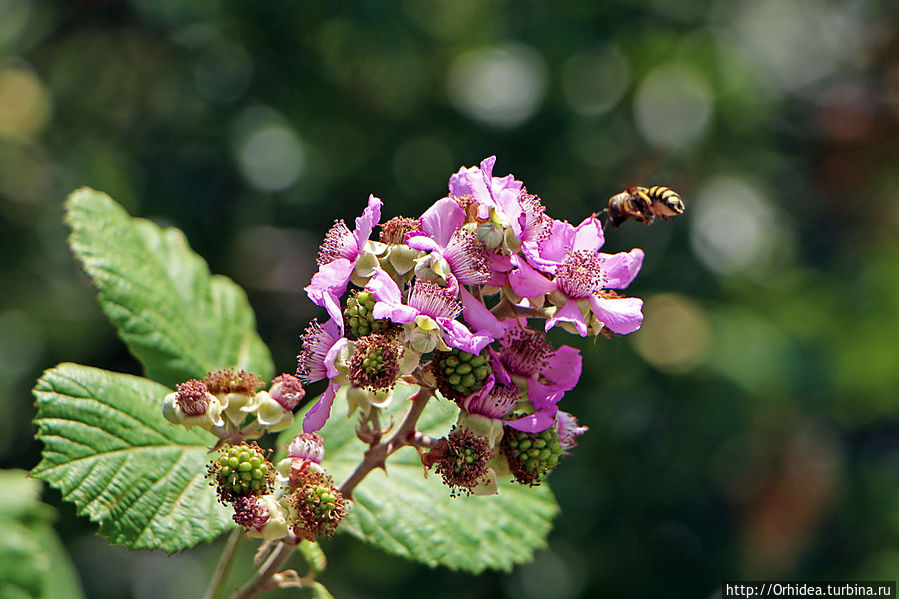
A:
[24,103]
[595,81]
[500,86]
[672,106]
[732,224]
[675,333]
[269,153]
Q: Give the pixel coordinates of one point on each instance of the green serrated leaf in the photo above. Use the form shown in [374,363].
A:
[33,562]
[108,449]
[176,318]
[404,513]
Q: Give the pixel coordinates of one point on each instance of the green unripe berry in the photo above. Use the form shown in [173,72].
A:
[531,456]
[460,373]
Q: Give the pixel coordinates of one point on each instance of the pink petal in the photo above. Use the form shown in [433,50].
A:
[621,315]
[318,415]
[441,220]
[542,395]
[535,423]
[569,313]
[499,371]
[384,287]
[331,357]
[460,184]
[371,216]
[527,282]
[621,268]
[328,284]
[332,306]
[564,367]
[588,235]
[478,316]
[417,241]
[334,327]
[457,335]
[555,247]
[394,312]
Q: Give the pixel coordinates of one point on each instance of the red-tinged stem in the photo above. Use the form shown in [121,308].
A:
[405,435]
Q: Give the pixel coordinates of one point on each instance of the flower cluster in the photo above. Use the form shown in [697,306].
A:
[447,301]
[291,501]
[229,405]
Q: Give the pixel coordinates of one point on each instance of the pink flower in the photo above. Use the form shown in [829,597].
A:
[337,258]
[497,193]
[496,400]
[442,232]
[318,360]
[582,274]
[425,299]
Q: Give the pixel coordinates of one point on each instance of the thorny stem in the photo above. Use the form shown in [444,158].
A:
[404,435]
[263,578]
[217,584]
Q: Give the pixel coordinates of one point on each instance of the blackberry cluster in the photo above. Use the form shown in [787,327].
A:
[531,456]
[375,362]
[240,471]
[461,459]
[459,373]
[319,506]
[358,315]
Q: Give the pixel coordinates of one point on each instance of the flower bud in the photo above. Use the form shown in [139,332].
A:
[261,517]
[288,391]
[192,405]
[490,234]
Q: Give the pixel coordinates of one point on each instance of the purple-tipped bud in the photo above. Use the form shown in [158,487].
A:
[288,391]
[192,397]
[307,446]
[567,428]
[250,513]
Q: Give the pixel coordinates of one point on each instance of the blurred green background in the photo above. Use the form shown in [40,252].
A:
[749,430]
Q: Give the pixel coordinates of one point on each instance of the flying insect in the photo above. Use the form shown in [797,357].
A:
[644,204]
